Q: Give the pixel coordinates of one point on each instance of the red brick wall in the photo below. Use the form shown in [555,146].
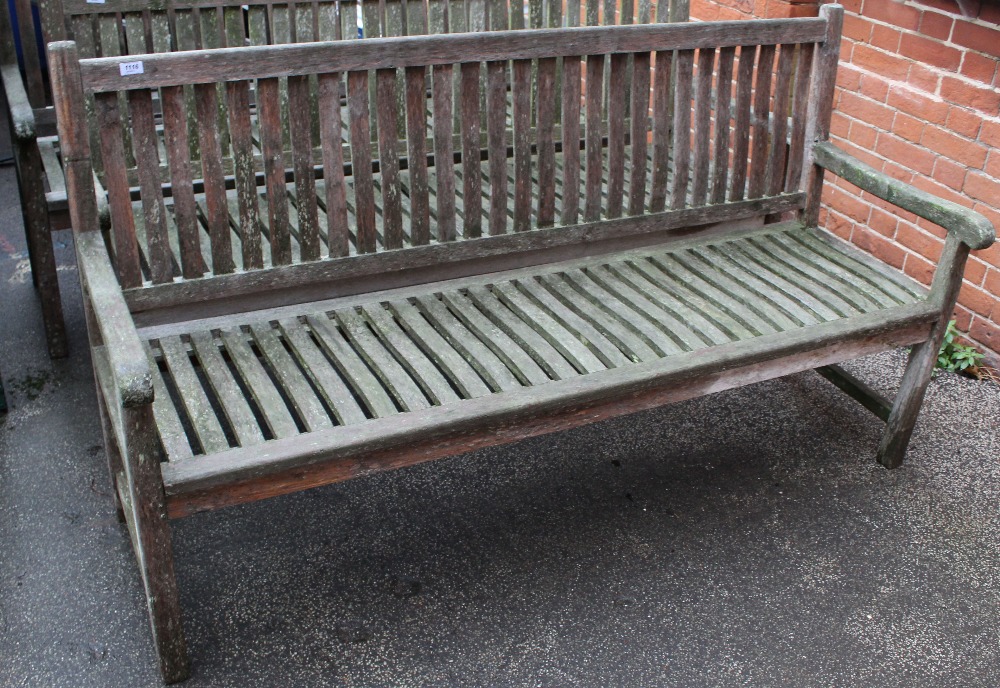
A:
[918,97]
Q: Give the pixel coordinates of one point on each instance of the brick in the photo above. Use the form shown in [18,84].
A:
[955,147]
[982,188]
[874,87]
[978,67]
[919,268]
[909,128]
[989,12]
[923,78]
[895,13]
[849,205]
[880,62]
[857,29]
[932,228]
[992,167]
[992,282]
[886,37]
[851,6]
[840,125]
[882,222]
[976,300]
[966,93]
[982,38]
[919,242]
[864,155]
[880,247]
[839,225]
[863,135]
[917,104]
[975,270]
[904,215]
[930,51]
[910,154]
[897,171]
[964,122]
[963,318]
[990,133]
[866,110]
[949,173]
[986,333]
[936,25]
[848,77]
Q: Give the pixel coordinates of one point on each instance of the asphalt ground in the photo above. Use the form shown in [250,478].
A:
[743,539]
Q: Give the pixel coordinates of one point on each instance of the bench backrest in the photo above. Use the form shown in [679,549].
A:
[726,110]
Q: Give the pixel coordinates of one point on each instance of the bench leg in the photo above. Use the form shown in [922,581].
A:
[141,492]
[944,291]
[40,250]
[906,408]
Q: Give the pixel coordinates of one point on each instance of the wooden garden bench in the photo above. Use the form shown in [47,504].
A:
[368,308]
[122,27]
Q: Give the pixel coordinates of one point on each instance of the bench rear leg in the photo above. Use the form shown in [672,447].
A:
[144,503]
[38,233]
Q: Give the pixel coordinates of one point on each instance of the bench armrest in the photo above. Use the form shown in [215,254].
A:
[126,355]
[22,117]
[974,230]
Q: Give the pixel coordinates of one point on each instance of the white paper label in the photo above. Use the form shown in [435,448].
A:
[95,2]
[130,68]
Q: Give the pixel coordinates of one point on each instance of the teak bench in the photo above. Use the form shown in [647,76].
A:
[123,27]
[641,238]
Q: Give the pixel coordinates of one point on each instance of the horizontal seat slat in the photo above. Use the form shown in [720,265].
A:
[455,344]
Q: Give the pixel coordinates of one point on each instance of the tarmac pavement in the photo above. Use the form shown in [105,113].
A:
[743,539]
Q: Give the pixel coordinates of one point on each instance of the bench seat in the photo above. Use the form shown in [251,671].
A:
[345,376]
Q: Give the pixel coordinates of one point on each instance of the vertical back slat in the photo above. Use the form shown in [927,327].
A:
[472,185]
[617,102]
[361,163]
[522,144]
[571,98]
[245,173]
[300,132]
[175,139]
[638,138]
[272,148]
[217,210]
[416,135]
[153,212]
[661,129]
[779,137]
[331,131]
[682,128]
[800,112]
[184,23]
[496,127]
[545,109]
[723,116]
[741,128]
[385,115]
[444,159]
[29,52]
[595,152]
[761,121]
[702,125]
[109,122]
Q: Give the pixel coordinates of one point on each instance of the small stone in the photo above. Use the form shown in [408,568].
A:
[404,586]
[353,632]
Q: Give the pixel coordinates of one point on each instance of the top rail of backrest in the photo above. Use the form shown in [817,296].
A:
[226,64]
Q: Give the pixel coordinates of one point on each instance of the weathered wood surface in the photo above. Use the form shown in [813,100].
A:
[559,322]
[342,268]
[102,74]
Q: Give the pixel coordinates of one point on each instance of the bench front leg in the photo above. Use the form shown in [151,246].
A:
[125,397]
[967,230]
